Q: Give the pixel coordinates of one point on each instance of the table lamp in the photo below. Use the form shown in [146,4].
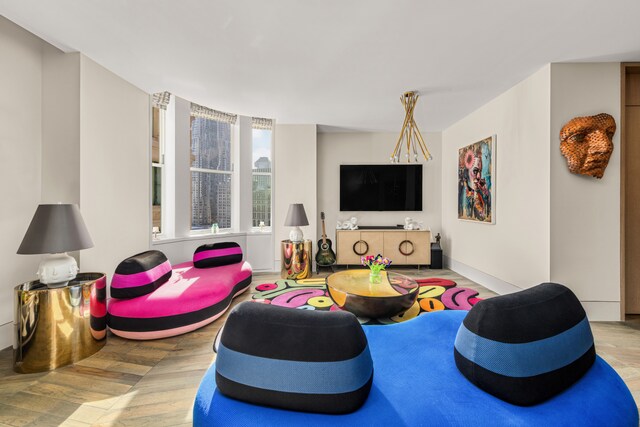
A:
[55,230]
[295,218]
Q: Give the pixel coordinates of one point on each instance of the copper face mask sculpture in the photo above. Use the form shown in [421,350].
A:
[586,142]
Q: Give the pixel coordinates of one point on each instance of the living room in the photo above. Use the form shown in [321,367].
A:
[106,106]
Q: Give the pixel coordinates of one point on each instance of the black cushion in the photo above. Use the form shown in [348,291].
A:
[140,275]
[299,360]
[217,255]
[526,347]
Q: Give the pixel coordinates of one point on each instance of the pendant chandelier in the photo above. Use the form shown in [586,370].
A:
[410,135]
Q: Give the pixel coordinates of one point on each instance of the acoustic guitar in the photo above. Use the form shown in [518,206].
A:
[325,255]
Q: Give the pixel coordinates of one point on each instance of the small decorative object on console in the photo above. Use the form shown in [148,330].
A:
[411,224]
[349,224]
[376,265]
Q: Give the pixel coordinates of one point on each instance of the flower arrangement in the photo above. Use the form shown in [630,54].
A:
[376,264]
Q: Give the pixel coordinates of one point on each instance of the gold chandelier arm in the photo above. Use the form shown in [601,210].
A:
[398,147]
[423,146]
[410,131]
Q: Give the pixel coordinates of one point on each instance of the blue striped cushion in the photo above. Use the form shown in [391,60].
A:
[300,360]
[526,347]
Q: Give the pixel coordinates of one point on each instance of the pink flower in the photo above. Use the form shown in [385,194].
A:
[469,158]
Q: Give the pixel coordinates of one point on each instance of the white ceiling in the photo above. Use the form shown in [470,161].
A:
[338,63]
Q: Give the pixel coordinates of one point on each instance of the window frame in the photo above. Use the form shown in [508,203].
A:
[159,165]
[231,173]
[267,228]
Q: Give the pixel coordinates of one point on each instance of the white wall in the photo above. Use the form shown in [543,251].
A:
[243,206]
[60,127]
[114,167]
[513,253]
[295,163]
[20,154]
[182,164]
[339,148]
[585,211]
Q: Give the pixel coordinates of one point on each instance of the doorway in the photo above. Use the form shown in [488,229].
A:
[630,137]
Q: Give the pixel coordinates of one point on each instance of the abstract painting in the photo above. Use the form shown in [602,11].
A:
[476,181]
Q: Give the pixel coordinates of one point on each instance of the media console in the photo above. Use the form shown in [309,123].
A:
[403,247]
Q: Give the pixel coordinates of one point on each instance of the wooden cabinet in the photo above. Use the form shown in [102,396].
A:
[393,242]
[373,240]
[403,247]
[348,247]
[420,244]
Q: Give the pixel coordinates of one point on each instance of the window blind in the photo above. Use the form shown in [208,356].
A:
[261,123]
[211,114]
[161,100]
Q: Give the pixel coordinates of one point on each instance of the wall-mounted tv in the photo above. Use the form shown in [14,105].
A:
[380,187]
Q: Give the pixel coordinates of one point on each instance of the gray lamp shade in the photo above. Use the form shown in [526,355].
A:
[55,229]
[296,216]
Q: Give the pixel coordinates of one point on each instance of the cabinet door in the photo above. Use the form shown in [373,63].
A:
[421,241]
[392,241]
[345,244]
[374,240]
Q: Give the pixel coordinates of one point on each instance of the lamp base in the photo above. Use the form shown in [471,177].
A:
[295,235]
[56,270]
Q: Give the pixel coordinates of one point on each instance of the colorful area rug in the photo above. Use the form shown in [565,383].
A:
[311,294]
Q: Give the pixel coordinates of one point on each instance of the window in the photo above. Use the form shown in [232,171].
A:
[211,168]
[157,168]
[261,173]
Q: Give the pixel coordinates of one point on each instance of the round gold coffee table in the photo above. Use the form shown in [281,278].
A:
[351,291]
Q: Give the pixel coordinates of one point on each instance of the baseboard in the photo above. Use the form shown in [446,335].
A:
[597,311]
[265,272]
[602,311]
[6,335]
[490,282]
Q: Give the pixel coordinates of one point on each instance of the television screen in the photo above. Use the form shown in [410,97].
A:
[380,187]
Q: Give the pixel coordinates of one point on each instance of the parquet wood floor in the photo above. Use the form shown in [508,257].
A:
[153,383]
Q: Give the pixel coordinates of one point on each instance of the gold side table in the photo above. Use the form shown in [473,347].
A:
[54,327]
[296,259]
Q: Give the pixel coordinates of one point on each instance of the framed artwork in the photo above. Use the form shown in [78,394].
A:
[476,181]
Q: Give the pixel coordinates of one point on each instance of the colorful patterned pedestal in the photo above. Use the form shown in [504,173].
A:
[296,259]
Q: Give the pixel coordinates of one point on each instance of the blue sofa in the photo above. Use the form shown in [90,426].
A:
[416,383]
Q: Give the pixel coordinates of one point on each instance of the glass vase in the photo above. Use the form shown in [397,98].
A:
[375,277]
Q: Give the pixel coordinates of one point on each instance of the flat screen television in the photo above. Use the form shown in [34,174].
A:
[380,187]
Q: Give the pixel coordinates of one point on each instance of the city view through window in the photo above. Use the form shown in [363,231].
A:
[210,173]
[261,178]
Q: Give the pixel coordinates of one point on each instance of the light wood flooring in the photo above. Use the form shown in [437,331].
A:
[153,383]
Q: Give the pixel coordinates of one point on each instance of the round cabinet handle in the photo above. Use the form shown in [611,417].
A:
[406,253]
[356,244]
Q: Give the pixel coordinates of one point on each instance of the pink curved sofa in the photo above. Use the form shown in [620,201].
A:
[192,298]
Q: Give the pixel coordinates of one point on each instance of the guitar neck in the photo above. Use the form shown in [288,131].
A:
[324,234]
